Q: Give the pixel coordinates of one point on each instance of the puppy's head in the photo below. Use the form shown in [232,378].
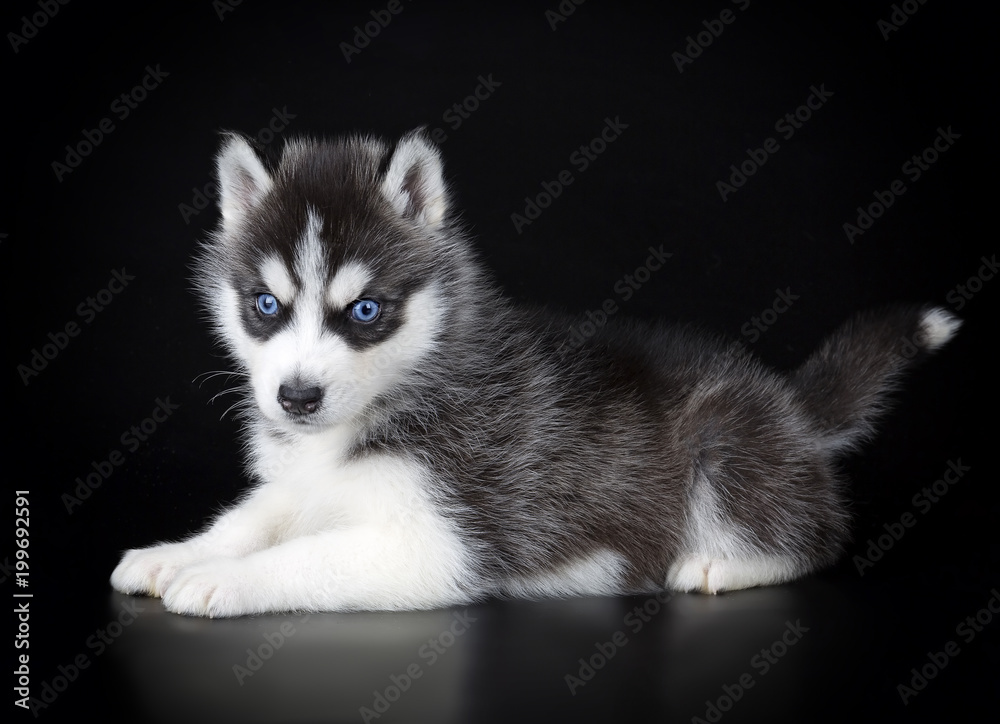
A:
[327,276]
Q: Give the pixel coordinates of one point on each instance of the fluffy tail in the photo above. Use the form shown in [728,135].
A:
[846,382]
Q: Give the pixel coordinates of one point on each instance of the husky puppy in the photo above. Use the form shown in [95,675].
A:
[417,440]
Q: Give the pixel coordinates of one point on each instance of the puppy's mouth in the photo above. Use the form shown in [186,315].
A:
[302,423]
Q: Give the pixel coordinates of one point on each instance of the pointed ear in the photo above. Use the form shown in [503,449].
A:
[414,182]
[243,180]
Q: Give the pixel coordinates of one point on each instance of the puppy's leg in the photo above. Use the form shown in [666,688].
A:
[369,567]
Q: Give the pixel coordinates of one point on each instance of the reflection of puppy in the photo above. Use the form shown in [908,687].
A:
[420,441]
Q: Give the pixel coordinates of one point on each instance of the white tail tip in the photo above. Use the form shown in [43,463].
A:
[938,326]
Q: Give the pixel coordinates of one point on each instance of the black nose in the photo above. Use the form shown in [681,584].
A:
[299,400]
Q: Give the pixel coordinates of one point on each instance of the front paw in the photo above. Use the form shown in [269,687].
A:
[217,589]
[150,571]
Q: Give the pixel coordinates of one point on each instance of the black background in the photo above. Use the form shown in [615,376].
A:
[120,209]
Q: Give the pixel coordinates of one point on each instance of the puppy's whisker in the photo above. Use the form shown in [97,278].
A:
[212,374]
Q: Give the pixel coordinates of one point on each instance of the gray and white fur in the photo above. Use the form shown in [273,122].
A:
[418,440]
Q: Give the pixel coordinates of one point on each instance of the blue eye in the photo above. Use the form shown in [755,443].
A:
[267,304]
[365,310]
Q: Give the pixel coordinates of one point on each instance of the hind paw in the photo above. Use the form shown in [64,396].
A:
[694,573]
[705,574]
